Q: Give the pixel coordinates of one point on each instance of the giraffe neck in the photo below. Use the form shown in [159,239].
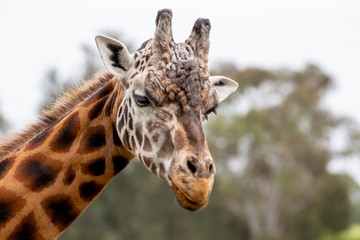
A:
[54,177]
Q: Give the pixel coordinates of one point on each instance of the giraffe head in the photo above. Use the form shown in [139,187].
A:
[169,92]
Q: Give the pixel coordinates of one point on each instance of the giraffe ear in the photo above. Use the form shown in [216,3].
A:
[224,86]
[114,54]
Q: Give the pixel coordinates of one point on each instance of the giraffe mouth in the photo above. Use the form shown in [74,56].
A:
[186,202]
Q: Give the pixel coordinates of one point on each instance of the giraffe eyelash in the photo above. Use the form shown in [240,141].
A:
[212,110]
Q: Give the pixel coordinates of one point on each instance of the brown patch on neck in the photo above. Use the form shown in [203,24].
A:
[38,171]
[61,210]
[69,177]
[27,229]
[5,166]
[39,140]
[95,167]
[93,139]
[10,205]
[65,136]
[89,190]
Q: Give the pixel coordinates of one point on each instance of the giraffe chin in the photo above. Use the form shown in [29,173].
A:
[186,202]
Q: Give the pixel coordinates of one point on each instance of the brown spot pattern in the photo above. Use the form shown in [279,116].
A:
[103,92]
[116,139]
[133,143]
[147,161]
[137,64]
[132,76]
[126,112]
[69,176]
[95,167]
[166,149]
[153,168]
[126,139]
[121,122]
[38,172]
[5,166]
[61,210]
[179,140]
[155,137]
[110,105]
[39,140]
[65,136]
[10,205]
[162,170]
[119,163]
[89,190]
[138,133]
[130,123]
[147,144]
[97,109]
[92,140]
[26,230]
[150,126]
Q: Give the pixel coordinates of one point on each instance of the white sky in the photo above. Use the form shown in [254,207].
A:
[38,34]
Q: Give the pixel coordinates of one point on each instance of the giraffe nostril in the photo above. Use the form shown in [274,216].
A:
[211,168]
[191,166]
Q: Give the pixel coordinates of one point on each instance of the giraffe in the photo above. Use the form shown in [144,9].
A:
[149,105]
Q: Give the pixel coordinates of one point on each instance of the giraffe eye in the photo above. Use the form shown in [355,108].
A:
[141,101]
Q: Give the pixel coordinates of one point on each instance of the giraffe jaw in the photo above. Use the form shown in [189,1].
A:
[186,202]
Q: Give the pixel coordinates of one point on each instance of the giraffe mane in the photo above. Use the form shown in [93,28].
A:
[64,104]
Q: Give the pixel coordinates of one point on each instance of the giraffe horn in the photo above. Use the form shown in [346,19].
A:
[163,33]
[199,39]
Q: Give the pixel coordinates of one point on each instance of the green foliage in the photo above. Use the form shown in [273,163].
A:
[352,233]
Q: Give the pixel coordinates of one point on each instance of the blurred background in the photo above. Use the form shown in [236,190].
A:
[286,144]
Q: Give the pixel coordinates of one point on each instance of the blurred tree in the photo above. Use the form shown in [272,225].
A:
[52,87]
[271,144]
[276,152]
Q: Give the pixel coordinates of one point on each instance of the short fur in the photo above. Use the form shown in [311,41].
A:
[63,106]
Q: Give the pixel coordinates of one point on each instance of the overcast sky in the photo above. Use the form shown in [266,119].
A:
[39,34]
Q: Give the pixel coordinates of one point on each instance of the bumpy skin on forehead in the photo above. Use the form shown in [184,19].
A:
[187,76]
[182,82]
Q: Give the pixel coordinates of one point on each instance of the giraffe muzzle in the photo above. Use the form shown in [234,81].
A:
[192,182]
[192,196]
